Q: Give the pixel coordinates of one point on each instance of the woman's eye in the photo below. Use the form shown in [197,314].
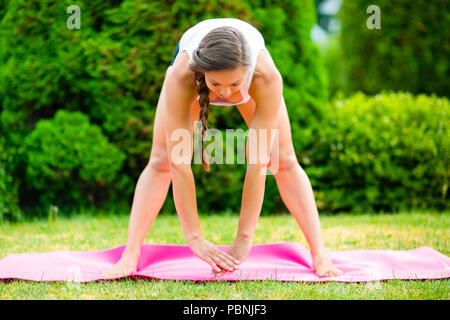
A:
[234,85]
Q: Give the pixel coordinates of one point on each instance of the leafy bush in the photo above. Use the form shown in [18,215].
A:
[112,70]
[9,196]
[333,61]
[384,152]
[409,53]
[71,160]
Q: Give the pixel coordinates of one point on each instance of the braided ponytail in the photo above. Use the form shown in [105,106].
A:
[203,92]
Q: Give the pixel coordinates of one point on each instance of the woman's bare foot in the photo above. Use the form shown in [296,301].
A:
[323,265]
[239,249]
[125,266]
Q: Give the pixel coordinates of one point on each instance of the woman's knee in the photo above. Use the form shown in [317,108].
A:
[283,160]
[159,161]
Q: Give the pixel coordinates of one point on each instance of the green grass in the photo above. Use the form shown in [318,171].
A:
[340,232]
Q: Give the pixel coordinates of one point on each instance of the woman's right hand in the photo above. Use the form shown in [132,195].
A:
[212,255]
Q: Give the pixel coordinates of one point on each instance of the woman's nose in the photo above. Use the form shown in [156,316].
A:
[224,92]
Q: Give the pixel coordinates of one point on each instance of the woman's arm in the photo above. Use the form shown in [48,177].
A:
[178,121]
[178,124]
[267,93]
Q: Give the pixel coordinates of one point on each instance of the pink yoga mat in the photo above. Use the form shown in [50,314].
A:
[285,261]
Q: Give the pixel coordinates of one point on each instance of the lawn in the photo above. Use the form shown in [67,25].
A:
[90,231]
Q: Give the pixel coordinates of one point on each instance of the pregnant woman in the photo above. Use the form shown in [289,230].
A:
[221,62]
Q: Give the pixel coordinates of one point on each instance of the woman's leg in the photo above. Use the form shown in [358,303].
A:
[150,193]
[153,184]
[296,191]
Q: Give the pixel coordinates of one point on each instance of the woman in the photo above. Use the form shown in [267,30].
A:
[221,62]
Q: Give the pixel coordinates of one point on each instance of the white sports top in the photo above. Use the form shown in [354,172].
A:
[191,38]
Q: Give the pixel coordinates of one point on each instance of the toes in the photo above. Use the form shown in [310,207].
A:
[328,274]
[337,272]
[321,275]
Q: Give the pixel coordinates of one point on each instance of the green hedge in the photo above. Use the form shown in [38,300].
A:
[385,152]
[70,161]
[9,195]
[107,77]
[112,70]
[409,53]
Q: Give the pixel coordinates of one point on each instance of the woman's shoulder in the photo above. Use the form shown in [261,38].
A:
[265,69]
[180,71]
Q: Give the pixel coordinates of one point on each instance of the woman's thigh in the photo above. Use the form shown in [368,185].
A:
[285,146]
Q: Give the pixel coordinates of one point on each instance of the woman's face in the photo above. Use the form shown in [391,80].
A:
[225,83]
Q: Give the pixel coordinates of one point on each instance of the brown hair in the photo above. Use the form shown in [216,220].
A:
[222,48]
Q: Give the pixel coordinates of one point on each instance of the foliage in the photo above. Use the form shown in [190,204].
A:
[385,152]
[112,70]
[71,161]
[9,196]
[408,53]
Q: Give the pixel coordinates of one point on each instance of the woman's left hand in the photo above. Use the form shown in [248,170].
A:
[238,250]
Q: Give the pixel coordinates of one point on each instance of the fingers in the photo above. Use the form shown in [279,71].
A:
[222,259]
[213,264]
[218,274]
[216,258]
[223,262]
[234,265]
[220,264]
[231,258]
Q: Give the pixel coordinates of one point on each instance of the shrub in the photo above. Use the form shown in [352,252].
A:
[71,160]
[385,152]
[409,53]
[9,196]
[112,70]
